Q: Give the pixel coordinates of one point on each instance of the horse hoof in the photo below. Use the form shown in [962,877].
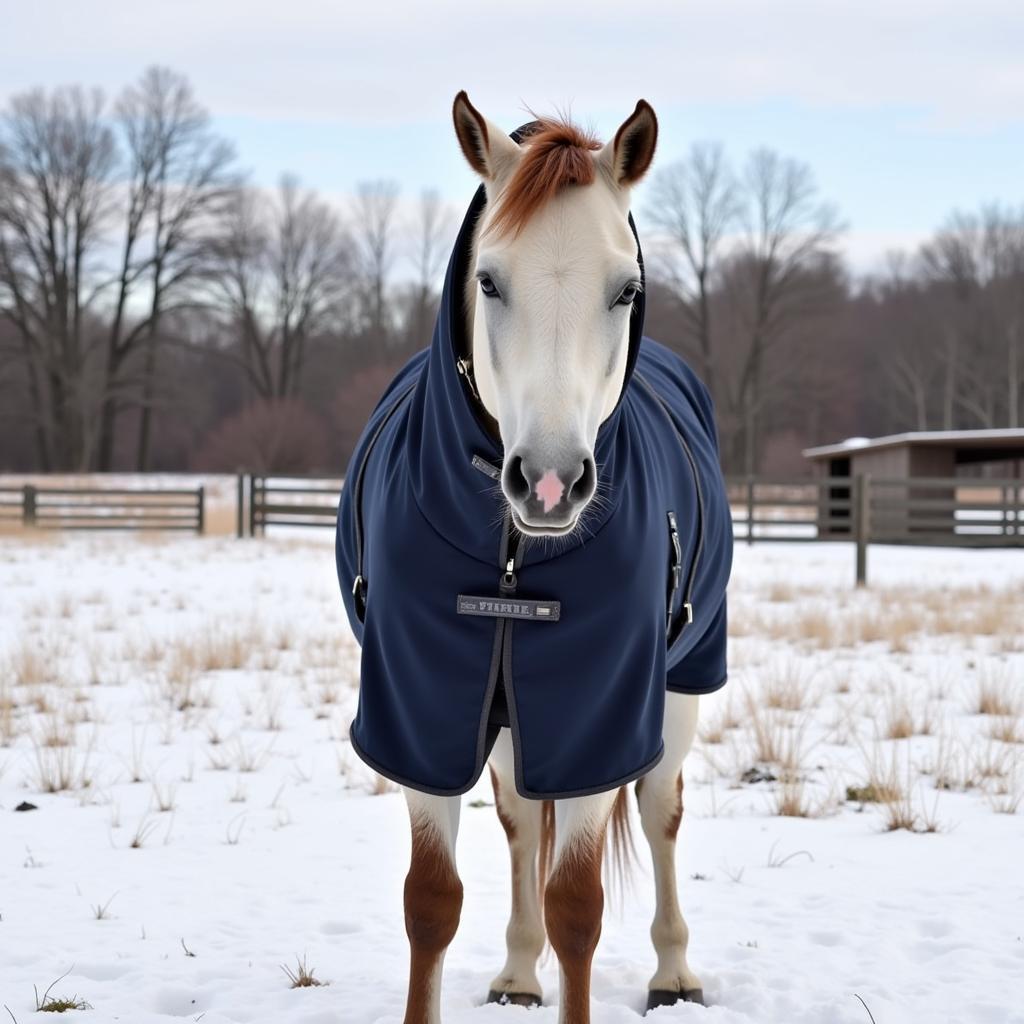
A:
[662,997]
[513,998]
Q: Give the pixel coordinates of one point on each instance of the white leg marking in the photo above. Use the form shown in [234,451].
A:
[521,820]
[660,809]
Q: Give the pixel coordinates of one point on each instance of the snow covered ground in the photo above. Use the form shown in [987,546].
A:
[177,711]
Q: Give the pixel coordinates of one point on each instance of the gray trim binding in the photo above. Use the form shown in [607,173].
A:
[698,691]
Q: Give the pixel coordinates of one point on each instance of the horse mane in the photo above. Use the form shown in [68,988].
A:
[556,155]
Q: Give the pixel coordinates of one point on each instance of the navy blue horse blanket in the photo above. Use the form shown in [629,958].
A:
[466,626]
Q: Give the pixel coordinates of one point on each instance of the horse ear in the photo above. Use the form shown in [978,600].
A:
[490,152]
[629,154]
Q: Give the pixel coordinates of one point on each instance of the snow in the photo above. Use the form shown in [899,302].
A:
[221,676]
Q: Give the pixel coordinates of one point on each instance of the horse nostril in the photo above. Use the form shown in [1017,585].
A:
[517,487]
[582,488]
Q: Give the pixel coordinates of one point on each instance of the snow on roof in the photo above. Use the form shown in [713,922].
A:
[1008,437]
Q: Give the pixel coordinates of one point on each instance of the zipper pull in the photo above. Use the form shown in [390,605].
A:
[465,368]
[677,552]
[508,581]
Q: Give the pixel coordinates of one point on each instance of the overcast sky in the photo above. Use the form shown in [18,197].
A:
[904,109]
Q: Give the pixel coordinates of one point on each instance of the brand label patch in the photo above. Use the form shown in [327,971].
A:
[510,608]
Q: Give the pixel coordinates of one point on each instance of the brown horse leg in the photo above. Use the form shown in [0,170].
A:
[574,898]
[433,901]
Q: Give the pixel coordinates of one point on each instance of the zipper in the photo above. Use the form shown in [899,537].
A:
[686,612]
[359,584]
[514,547]
[508,582]
[676,572]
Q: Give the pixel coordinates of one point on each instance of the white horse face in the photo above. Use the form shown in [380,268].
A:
[552,295]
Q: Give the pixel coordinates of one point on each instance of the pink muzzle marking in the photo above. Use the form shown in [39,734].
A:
[549,490]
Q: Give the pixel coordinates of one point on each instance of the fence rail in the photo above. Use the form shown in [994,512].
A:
[285,501]
[936,511]
[103,508]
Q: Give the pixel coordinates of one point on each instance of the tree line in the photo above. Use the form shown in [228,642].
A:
[158,311]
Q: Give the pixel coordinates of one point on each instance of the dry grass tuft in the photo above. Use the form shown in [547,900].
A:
[28,665]
[61,769]
[142,833]
[248,759]
[780,591]
[1006,729]
[882,783]
[220,650]
[995,695]
[164,797]
[8,727]
[895,790]
[777,739]
[787,689]
[994,761]
[894,618]
[302,976]
[791,797]
[817,626]
[1006,795]
[714,729]
[55,731]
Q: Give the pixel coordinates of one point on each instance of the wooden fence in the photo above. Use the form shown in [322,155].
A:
[863,510]
[285,501]
[103,508]
[937,511]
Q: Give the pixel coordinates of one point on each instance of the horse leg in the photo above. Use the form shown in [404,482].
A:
[517,983]
[574,898]
[433,900]
[660,795]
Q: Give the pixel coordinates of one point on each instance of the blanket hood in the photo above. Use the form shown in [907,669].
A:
[451,420]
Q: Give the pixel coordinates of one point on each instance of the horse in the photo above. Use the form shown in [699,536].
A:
[533,545]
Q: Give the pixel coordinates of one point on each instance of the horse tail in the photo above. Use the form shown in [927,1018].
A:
[546,850]
[620,853]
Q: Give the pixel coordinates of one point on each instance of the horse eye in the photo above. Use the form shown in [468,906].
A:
[488,287]
[627,295]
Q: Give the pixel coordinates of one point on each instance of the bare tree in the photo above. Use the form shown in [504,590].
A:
[430,238]
[979,260]
[695,203]
[373,225]
[906,330]
[783,272]
[284,267]
[57,155]
[178,179]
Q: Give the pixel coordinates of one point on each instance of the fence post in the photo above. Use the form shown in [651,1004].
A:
[240,509]
[252,504]
[201,509]
[750,510]
[28,505]
[862,523]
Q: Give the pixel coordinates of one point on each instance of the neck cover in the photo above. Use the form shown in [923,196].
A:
[467,626]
